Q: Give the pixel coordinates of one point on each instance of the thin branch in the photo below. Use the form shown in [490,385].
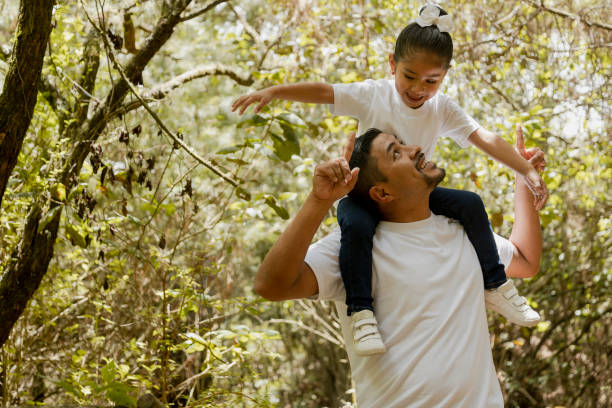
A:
[509,16]
[204,10]
[206,163]
[89,73]
[301,325]
[540,4]
[161,91]
[185,383]
[53,96]
[248,28]
[502,94]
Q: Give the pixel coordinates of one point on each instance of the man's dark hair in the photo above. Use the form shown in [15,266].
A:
[415,38]
[368,167]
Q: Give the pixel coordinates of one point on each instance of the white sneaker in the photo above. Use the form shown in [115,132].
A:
[366,338]
[506,301]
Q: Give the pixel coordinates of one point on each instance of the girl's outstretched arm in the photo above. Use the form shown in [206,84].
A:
[499,149]
[526,232]
[309,92]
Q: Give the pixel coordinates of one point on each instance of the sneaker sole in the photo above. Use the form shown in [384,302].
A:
[493,307]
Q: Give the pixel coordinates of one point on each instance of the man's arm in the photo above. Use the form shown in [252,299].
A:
[283,273]
[309,92]
[499,149]
[526,232]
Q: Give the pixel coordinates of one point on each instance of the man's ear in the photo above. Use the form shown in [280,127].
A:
[380,194]
[392,63]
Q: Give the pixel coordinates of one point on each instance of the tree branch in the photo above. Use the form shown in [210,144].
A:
[207,70]
[248,28]
[20,88]
[89,131]
[30,261]
[161,91]
[204,10]
[505,97]
[209,165]
[553,10]
[53,96]
[89,73]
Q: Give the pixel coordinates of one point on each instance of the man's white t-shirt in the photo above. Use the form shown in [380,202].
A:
[376,103]
[429,303]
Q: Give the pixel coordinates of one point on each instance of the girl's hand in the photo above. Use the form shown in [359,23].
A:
[262,98]
[334,179]
[532,178]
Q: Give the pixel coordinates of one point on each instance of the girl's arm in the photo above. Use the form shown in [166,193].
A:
[309,92]
[526,232]
[500,150]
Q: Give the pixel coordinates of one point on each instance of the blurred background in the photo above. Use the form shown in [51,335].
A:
[149,290]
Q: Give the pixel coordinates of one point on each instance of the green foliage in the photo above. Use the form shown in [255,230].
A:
[150,289]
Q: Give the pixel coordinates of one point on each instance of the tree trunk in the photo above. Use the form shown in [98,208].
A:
[18,97]
[30,260]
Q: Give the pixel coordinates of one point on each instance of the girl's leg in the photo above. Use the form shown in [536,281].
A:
[358,226]
[468,209]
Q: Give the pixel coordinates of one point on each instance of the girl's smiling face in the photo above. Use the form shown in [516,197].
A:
[418,77]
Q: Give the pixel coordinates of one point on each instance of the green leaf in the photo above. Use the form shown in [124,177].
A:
[238,161]
[70,388]
[280,211]
[59,192]
[119,394]
[292,119]
[287,145]
[255,120]
[76,235]
[229,149]
[108,372]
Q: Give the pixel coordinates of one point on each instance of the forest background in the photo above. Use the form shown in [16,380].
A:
[135,213]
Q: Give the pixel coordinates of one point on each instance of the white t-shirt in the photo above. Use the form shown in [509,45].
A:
[430,312]
[376,103]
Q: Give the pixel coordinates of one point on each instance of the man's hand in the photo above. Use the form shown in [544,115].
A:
[532,178]
[262,98]
[334,179]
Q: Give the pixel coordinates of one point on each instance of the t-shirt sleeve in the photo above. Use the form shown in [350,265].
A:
[322,257]
[353,99]
[505,249]
[457,124]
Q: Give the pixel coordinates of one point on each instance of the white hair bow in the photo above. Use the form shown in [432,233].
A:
[431,15]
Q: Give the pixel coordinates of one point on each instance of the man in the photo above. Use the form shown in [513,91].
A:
[427,281]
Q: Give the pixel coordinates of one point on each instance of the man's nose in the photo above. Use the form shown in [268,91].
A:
[413,150]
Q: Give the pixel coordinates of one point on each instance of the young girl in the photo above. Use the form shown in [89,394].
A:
[410,107]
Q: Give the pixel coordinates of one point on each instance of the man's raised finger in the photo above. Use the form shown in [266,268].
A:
[520,141]
[348,148]
[346,171]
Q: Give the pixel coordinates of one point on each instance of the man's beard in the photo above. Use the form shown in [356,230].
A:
[433,181]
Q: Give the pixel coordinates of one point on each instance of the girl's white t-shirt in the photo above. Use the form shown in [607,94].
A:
[376,103]
[429,303]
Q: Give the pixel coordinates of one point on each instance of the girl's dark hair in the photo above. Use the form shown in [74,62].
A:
[415,38]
